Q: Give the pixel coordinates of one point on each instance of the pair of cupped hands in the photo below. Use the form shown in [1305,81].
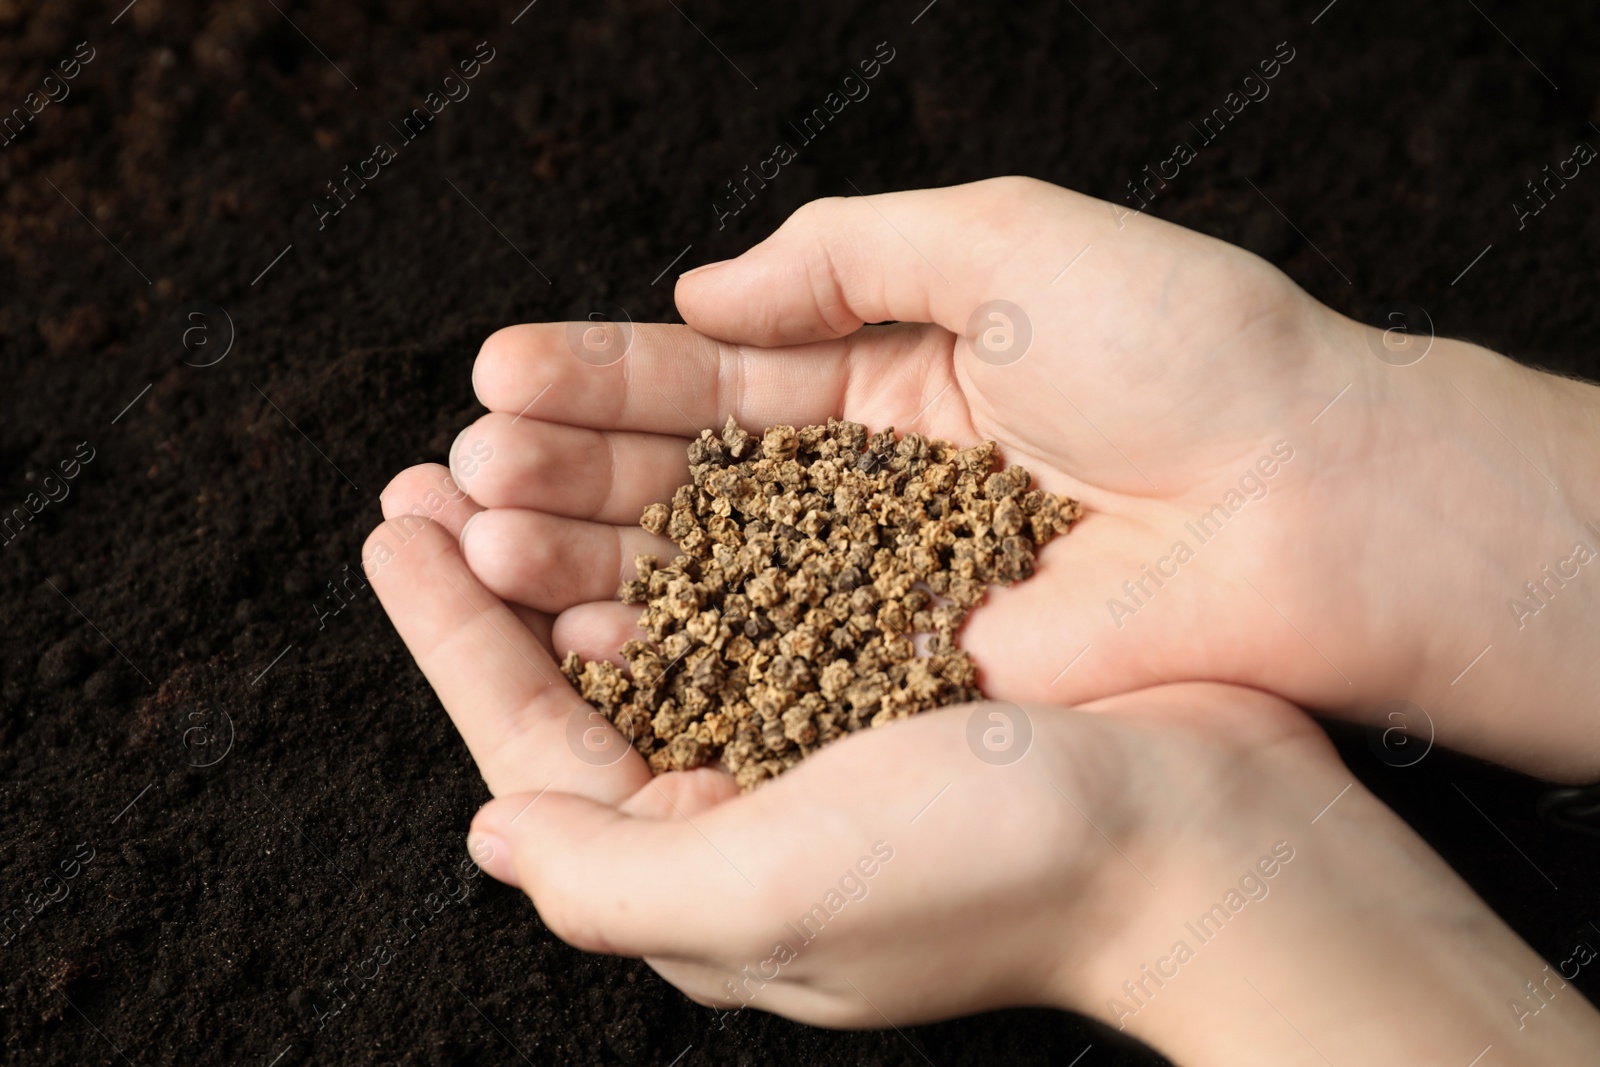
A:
[1160,749]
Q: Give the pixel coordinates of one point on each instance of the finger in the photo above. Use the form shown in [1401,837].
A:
[596,630]
[499,684]
[427,491]
[705,984]
[682,794]
[930,255]
[675,381]
[551,563]
[510,462]
[735,987]
[540,624]
[608,882]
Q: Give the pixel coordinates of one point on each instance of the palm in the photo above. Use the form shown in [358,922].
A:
[1175,764]
[1162,367]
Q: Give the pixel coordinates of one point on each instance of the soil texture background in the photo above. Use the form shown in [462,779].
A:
[263,783]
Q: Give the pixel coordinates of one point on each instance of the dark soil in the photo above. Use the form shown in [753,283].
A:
[179,594]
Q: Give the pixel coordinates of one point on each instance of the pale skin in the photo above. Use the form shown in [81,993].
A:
[1373,564]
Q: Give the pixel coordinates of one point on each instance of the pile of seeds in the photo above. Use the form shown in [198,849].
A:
[810,560]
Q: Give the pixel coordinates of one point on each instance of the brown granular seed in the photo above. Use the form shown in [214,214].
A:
[810,560]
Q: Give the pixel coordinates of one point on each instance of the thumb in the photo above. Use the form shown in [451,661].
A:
[606,881]
[929,255]
[508,832]
[558,849]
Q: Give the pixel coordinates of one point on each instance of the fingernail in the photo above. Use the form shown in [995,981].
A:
[704,266]
[450,458]
[462,540]
[492,856]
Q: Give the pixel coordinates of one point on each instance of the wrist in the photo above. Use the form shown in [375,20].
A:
[1473,580]
[1361,946]
[1533,579]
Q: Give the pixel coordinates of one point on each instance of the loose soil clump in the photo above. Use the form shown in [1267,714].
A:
[811,561]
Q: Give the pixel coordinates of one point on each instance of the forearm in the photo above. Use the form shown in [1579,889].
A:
[1536,686]
[1367,949]
[1550,620]
[1481,554]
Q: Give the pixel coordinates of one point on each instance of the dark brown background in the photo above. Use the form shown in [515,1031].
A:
[219,907]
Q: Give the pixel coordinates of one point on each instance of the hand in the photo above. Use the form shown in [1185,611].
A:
[900,876]
[1269,503]
[571,453]
[995,892]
